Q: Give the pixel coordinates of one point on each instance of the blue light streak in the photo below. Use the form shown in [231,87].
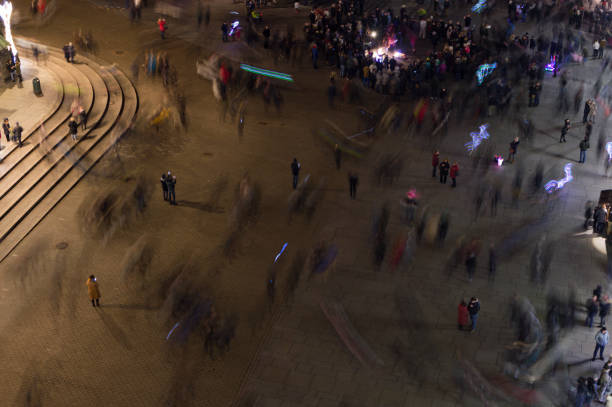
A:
[555,185]
[485,70]
[172,330]
[477,138]
[281,252]
[480,6]
[265,72]
[609,150]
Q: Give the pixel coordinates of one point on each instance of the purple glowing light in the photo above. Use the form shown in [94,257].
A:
[555,185]
[550,67]
[477,138]
[609,150]
[172,330]
[499,160]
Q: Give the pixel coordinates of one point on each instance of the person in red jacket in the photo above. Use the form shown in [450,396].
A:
[462,315]
[435,160]
[161,22]
[454,171]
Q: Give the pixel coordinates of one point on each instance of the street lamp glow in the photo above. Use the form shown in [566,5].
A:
[373,34]
[6,9]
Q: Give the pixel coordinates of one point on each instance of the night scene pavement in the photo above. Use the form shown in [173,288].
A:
[60,351]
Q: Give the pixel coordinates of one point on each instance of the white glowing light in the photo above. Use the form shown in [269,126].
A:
[6,9]
[373,34]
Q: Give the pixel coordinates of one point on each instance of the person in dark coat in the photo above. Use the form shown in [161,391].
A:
[353,181]
[604,310]
[513,149]
[73,126]
[17,134]
[337,156]
[474,309]
[171,184]
[470,264]
[492,262]
[564,130]
[588,213]
[295,170]
[584,146]
[83,118]
[6,128]
[462,315]
[454,171]
[587,110]
[444,168]
[592,310]
[164,186]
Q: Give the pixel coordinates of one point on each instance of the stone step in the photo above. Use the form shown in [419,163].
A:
[51,179]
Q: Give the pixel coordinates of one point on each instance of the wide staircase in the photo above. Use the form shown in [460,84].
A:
[35,177]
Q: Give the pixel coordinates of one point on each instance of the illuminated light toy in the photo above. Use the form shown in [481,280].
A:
[265,72]
[234,28]
[480,6]
[485,70]
[281,252]
[499,160]
[555,185]
[6,9]
[477,138]
[172,330]
[550,67]
[609,150]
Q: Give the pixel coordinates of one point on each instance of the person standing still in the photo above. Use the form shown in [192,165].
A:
[164,186]
[454,171]
[353,181]
[601,340]
[444,167]
[584,146]
[171,183]
[73,126]
[161,22]
[474,309]
[435,161]
[295,170]
[93,291]
[337,156]
[462,315]
[470,264]
[83,118]
[6,127]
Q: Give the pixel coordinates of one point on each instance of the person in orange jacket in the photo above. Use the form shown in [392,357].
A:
[454,171]
[93,291]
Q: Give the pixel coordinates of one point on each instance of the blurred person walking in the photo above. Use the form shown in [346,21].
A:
[601,340]
[353,182]
[513,149]
[93,290]
[604,310]
[603,385]
[295,171]
[462,315]
[6,128]
[470,264]
[337,156]
[17,134]
[592,308]
[583,146]
[564,130]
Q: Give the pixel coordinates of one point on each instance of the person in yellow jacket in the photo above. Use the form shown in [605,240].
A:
[93,290]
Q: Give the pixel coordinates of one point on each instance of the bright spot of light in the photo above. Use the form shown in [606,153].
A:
[6,9]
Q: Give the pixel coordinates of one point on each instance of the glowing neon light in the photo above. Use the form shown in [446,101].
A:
[6,9]
[551,65]
[499,159]
[234,26]
[609,150]
[281,252]
[477,138]
[172,330]
[478,7]
[485,70]
[265,72]
[555,185]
